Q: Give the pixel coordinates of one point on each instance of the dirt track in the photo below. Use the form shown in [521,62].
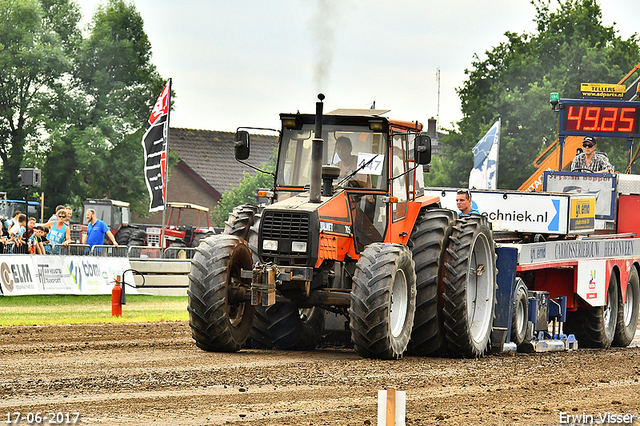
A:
[154,374]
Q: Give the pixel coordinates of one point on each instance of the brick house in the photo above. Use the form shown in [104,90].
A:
[207,168]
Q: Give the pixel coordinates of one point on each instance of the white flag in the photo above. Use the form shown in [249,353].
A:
[484,174]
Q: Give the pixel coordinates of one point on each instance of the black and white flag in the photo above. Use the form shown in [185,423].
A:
[154,142]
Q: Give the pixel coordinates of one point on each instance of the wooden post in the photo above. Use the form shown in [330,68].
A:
[391,406]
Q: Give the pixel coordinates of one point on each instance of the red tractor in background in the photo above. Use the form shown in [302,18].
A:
[179,235]
[117,216]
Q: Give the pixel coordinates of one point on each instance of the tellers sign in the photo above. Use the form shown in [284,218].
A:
[598,117]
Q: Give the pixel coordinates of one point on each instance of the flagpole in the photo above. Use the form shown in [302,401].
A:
[165,178]
[498,151]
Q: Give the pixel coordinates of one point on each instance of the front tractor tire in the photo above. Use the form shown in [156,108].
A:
[428,244]
[469,287]
[220,319]
[383,301]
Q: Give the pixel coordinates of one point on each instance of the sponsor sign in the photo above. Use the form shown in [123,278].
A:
[582,214]
[598,185]
[591,281]
[570,250]
[53,274]
[602,90]
[515,211]
[17,275]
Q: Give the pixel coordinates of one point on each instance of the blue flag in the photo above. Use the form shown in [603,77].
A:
[484,174]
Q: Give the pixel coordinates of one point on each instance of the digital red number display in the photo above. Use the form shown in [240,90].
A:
[600,119]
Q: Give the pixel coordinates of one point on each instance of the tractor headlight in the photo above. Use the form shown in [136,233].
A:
[299,246]
[270,245]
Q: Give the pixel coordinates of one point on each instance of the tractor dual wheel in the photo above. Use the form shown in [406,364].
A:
[628,312]
[428,244]
[283,326]
[520,313]
[219,317]
[383,301]
[469,287]
[596,327]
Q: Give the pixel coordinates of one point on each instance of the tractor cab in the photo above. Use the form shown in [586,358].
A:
[369,176]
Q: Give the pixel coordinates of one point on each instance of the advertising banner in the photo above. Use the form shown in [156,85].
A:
[32,274]
[512,211]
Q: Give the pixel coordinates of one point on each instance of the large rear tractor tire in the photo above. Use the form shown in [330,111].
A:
[469,288]
[383,301]
[628,312]
[520,313]
[596,327]
[220,320]
[283,326]
[127,235]
[428,245]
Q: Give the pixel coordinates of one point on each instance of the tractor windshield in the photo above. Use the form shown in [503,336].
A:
[357,151]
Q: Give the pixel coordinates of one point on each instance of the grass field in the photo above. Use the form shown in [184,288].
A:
[42,310]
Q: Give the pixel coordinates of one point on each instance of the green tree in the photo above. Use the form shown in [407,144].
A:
[571,46]
[245,193]
[117,85]
[37,41]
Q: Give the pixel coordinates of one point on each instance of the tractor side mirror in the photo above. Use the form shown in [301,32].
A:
[242,145]
[422,149]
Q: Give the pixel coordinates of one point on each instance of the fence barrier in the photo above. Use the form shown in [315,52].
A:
[135,252]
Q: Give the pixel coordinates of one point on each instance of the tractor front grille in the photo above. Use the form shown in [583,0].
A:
[285,226]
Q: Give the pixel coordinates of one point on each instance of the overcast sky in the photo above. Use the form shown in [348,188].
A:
[242,62]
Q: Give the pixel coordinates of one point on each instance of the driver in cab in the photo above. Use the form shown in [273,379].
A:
[349,163]
[590,160]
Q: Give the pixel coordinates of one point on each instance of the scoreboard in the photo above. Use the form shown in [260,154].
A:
[599,118]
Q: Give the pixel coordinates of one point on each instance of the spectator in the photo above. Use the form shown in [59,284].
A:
[53,217]
[31,224]
[11,222]
[463,201]
[27,237]
[18,229]
[59,233]
[69,214]
[39,240]
[96,230]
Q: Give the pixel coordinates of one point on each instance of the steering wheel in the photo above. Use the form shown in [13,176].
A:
[354,183]
[582,169]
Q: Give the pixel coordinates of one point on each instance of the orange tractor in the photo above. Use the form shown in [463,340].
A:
[349,231]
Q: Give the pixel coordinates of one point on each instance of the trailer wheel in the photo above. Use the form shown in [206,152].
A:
[428,244]
[219,318]
[520,317]
[628,312]
[240,220]
[596,327]
[283,326]
[383,301]
[469,287]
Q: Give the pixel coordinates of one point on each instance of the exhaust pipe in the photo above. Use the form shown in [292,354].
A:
[316,156]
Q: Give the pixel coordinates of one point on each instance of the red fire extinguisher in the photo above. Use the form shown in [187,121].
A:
[116,294]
